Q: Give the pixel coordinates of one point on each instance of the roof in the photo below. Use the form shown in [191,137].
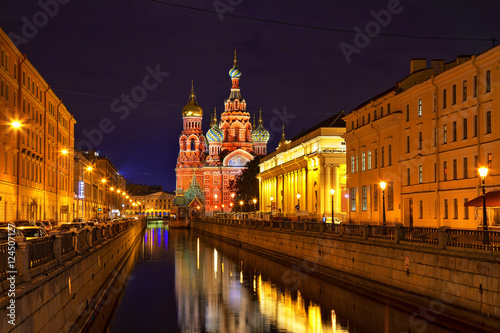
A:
[492,200]
[337,120]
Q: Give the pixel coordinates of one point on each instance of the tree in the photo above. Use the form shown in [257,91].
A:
[246,186]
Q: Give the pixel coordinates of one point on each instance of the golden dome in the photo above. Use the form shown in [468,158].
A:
[192,109]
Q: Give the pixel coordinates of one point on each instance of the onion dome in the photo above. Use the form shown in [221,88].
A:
[235,72]
[192,109]
[215,134]
[260,134]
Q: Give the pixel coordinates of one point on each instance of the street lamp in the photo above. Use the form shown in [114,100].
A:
[17,126]
[222,207]
[483,172]
[215,199]
[298,201]
[382,186]
[254,202]
[241,205]
[348,208]
[332,192]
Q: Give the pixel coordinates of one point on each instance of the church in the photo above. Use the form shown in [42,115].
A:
[208,162]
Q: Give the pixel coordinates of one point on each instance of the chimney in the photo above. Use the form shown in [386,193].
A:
[437,65]
[462,58]
[417,64]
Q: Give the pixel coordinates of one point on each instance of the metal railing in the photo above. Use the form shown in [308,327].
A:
[41,251]
[36,252]
[440,237]
[420,235]
[473,239]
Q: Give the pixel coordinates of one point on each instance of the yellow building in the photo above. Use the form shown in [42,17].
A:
[36,180]
[156,204]
[297,178]
[426,138]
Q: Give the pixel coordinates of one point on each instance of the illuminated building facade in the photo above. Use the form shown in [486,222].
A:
[219,156]
[156,204]
[298,176]
[426,138]
[36,181]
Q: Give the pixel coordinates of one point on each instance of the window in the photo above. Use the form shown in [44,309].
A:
[375,115]
[381,111]
[435,136]
[444,98]
[357,162]
[407,112]
[408,144]
[420,107]
[420,175]
[466,171]
[375,197]
[389,153]
[363,161]
[352,164]
[454,95]
[382,161]
[388,108]
[408,177]
[455,208]
[464,91]
[368,121]
[352,197]
[476,162]
[364,201]
[475,127]
[445,170]
[421,210]
[375,157]
[455,171]
[466,210]
[363,121]
[352,125]
[488,122]
[490,161]
[369,160]
[445,208]
[474,93]
[435,172]
[488,81]
[464,129]
[390,196]
[445,135]
[420,140]
[454,131]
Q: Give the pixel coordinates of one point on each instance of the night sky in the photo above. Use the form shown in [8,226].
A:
[93,52]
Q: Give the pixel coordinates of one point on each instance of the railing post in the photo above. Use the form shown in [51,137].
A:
[398,233]
[23,258]
[321,227]
[58,249]
[366,230]
[305,226]
[293,225]
[443,237]
[341,230]
[280,223]
[90,237]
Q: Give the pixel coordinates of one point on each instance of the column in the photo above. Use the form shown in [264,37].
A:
[328,186]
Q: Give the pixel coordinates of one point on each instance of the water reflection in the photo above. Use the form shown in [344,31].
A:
[188,282]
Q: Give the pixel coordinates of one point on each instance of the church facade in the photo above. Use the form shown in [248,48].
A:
[213,159]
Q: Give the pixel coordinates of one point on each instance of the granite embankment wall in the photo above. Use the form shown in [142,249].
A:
[70,291]
[458,283]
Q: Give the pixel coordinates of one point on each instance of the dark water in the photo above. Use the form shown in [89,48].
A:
[187,282]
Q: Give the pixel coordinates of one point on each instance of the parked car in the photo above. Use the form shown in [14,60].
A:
[71,226]
[6,232]
[78,219]
[32,231]
[93,220]
[44,224]
[23,223]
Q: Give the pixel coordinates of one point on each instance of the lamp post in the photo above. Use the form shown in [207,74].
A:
[17,126]
[254,206]
[348,208]
[222,207]
[298,206]
[483,172]
[332,192]
[382,186]
[272,198]
[241,205]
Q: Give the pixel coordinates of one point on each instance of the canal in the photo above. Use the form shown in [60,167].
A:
[183,281]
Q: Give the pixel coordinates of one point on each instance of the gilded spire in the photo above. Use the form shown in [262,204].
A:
[260,116]
[282,136]
[192,108]
[215,116]
[235,63]
[191,94]
[253,124]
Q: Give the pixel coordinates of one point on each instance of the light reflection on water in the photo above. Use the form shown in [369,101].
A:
[205,285]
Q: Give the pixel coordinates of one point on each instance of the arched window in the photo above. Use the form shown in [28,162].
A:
[192,144]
